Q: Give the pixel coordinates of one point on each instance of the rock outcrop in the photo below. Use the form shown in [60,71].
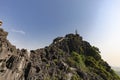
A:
[67,58]
[12,61]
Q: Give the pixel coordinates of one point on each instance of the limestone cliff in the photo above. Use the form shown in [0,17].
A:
[12,60]
[66,58]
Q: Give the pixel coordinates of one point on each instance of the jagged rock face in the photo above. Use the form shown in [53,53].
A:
[12,60]
[67,58]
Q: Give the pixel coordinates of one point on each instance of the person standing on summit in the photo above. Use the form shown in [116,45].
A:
[0,23]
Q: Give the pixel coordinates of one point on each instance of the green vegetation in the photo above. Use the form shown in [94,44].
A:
[94,52]
[76,60]
[76,77]
[100,68]
[90,61]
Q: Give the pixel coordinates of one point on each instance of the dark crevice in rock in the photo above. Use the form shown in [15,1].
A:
[10,62]
[27,69]
[37,69]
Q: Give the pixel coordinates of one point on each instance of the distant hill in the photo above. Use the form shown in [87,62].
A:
[66,58]
[117,70]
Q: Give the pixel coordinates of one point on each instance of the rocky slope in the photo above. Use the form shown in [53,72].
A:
[66,58]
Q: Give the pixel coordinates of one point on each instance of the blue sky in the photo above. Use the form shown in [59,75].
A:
[35,23]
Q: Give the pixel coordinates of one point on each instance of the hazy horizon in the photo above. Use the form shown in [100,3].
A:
[34,24]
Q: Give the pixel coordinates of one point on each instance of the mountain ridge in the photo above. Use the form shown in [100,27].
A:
[66,58]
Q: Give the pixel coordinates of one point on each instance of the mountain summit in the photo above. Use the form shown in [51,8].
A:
[66,58]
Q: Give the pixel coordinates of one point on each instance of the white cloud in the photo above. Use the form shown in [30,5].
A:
[18,31]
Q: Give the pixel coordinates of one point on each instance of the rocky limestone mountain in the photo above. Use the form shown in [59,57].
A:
[66,58]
